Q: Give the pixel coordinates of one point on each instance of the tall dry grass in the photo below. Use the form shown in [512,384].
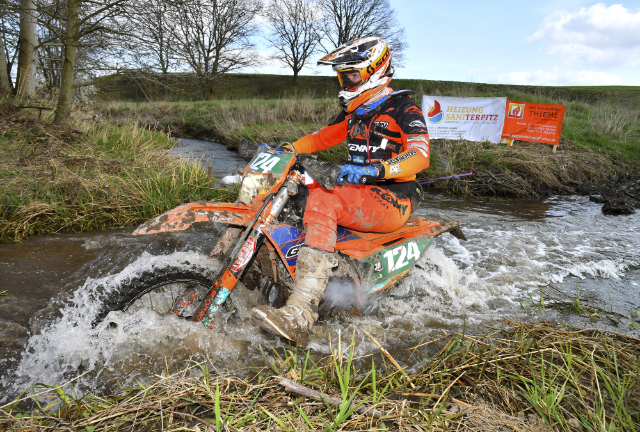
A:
[232,121]
[599,142]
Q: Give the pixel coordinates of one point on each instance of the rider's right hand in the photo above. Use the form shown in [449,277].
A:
[285,147]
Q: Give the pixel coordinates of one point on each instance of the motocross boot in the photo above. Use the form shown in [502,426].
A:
[294,321]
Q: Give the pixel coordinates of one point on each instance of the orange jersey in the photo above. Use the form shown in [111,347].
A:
[396,138]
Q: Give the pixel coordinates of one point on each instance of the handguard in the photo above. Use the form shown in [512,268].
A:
[325,173]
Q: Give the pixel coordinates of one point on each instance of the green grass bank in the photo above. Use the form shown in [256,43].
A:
[90,175]
[600,139]
[513,377]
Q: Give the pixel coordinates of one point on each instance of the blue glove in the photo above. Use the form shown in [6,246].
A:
[354,173]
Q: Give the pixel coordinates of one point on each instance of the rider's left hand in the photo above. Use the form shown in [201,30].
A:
[354,173]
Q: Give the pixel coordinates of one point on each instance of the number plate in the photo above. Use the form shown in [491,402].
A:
[269,161]
[394,261]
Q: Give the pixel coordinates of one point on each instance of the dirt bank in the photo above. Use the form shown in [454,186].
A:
[531,170]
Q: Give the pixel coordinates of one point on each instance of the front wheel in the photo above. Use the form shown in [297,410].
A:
[165,290]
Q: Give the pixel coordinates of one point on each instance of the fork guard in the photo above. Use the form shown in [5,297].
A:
[182,217]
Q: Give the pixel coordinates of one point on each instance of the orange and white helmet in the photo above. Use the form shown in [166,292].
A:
[363,67]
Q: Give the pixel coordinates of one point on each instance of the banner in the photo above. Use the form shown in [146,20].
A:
[473,119]
[537,122]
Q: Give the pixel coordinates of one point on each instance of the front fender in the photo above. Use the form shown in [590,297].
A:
[181,218]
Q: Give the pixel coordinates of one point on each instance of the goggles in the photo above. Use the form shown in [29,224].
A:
[350,79]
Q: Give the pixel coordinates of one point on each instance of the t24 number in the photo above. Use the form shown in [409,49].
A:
[264,162]
[404,253]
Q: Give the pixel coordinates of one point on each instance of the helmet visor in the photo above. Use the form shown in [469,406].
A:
[349,79]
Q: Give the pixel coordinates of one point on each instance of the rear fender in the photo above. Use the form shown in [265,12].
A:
[181,218]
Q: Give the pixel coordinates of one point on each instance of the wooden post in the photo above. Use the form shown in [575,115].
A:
[555,148]
[209,174]
[471,167]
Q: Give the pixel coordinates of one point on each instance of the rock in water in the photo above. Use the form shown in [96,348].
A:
[618,207]
[247,149]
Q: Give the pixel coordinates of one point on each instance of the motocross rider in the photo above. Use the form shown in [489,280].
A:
[388,141]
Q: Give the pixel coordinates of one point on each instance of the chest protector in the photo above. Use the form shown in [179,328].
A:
[370,140]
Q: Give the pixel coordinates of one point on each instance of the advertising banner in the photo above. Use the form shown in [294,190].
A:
[473,119]
[536,122]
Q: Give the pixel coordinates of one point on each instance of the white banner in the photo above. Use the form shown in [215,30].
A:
[472,118]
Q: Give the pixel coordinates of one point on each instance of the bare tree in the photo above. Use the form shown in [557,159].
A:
[346,20]
[51,54]
[153,41]
[5,82]
[28,50]
[91,24]
[214,37]
[9,30]
[294,32]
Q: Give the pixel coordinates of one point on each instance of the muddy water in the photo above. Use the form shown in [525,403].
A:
[518,254]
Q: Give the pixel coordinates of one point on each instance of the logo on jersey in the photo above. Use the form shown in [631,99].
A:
[361,148]
[399,159]
[417,124]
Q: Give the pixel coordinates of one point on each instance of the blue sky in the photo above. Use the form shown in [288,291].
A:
[561,42]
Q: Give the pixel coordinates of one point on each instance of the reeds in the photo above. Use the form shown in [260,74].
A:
[515,376]
[526,170]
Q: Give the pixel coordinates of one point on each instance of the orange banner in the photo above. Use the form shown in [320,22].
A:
[526,121]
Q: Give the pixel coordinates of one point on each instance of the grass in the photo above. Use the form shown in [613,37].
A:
[591,152]
[514,376]
[113,171]
[182,87]
[88,176]
[598,118]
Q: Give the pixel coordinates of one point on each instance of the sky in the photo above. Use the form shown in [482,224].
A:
[544,42]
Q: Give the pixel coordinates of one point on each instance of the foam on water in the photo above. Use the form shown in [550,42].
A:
[70,343]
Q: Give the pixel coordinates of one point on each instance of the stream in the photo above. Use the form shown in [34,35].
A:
[521,256]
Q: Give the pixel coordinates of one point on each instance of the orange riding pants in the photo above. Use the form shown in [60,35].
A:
[359,207]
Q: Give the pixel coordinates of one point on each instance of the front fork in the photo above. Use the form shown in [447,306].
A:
[241,255]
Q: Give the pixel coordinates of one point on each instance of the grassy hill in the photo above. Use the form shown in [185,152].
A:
[182,87]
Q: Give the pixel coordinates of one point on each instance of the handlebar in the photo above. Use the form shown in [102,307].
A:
[366,179]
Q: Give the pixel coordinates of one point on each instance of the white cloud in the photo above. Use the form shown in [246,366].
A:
[602,36]
[557,78]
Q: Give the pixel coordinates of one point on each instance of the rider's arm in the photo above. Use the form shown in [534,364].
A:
[328,136]
[415,140]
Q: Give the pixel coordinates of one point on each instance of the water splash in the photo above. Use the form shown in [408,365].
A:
[456,283]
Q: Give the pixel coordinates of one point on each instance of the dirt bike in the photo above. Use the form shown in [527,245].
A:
[265,233]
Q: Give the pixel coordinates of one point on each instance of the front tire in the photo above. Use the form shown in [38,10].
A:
[158,289]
